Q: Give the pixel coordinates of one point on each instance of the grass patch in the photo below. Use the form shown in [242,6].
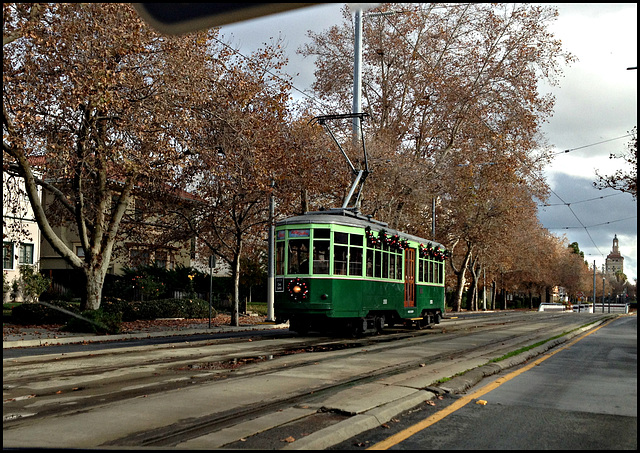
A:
[540,343]
[257,307]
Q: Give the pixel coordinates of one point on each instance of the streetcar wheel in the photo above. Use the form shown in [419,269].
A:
[379,323]
[300,327]
[356,327]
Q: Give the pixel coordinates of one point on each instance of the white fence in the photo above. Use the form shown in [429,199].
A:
[611,308]
[586,308]
[548,306]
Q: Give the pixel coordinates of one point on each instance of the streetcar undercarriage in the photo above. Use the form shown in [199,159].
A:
[374,322]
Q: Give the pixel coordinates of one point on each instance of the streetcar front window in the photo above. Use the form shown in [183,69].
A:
[298,256]
[321,251]
[280,258]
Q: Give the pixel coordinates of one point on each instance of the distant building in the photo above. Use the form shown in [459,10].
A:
[614,261]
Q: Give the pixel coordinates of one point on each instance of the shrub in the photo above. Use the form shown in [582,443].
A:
[29,314]
[32,283]
[95,321]
[162,308]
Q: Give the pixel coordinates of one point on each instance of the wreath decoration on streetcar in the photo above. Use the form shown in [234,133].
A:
[298,289]
[394,241]
[436,253]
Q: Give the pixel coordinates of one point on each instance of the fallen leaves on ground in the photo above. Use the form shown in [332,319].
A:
[54,330]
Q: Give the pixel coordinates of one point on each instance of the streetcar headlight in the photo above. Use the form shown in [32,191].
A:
[298,289]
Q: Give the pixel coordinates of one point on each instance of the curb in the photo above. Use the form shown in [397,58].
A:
[94,338]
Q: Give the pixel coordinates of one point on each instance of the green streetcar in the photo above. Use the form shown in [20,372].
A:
[339,270]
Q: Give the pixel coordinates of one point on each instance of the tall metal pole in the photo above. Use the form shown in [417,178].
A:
[433,218]
[212,264]
[594,287]
[357,75]
[270,266]
[603,288]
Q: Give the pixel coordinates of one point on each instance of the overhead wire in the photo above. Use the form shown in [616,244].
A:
[592,144]
[546,205]
[568,205]
[237,52]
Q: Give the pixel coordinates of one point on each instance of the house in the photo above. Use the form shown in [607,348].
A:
[21,242]
[140,245]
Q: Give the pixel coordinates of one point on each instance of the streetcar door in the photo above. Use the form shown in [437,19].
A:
[410,277]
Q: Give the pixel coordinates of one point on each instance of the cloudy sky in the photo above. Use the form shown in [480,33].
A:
[596,102]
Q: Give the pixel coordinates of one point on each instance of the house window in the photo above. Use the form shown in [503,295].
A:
[7,255]
[139,258]
[161,260]
[79,251]
[26,254]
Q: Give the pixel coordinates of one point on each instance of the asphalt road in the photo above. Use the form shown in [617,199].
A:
[581,397]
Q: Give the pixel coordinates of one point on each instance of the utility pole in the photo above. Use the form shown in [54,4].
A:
[271,252]
[594,287]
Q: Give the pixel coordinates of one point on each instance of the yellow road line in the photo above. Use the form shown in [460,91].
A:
[463,401]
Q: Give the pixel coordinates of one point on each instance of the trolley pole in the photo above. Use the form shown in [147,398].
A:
[270,266]
[357,74]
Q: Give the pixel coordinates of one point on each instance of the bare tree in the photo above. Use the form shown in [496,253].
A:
[624,181]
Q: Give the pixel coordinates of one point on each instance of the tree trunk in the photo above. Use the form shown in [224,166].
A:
[235,272]
[461,280]
[493,295]
[95,281]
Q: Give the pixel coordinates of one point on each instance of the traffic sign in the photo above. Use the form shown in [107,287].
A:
[179,18]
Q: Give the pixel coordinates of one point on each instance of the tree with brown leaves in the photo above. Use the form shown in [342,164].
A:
[448,85]
[103,104]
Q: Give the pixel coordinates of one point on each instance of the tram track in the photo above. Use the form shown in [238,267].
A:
[195,368]
[170,436]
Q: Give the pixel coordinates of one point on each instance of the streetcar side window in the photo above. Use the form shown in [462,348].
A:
[355,254]
[385,261]
[392,265]
[340,254]
[321,251]
[298,256]
[431,271]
